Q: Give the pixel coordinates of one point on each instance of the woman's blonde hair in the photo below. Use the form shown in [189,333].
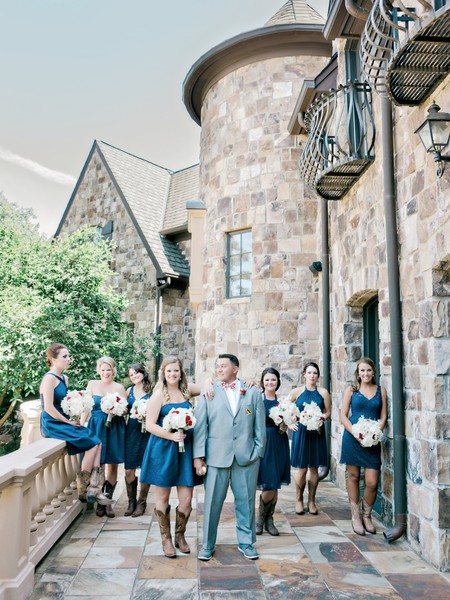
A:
[182,384]
[356,378]
[107,360]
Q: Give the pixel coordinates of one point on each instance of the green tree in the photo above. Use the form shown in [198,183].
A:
[56,291]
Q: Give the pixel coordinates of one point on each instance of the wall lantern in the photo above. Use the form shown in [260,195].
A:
[434,133]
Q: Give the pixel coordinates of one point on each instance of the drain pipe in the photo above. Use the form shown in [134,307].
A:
[161,283]
[326,345]
[398,415]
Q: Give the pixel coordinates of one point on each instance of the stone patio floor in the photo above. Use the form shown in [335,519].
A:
[314,557]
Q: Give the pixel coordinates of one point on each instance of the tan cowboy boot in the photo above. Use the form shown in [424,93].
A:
[180,528]
[131,493]
[269,524]
[366,517]
[164,527]
[357,525]
[83,479]
[312,489]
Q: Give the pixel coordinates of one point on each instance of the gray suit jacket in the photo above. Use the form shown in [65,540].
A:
[220,436]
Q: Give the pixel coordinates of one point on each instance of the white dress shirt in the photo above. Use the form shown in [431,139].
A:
[233,395]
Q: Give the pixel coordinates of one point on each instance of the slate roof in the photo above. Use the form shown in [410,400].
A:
[296,11]
[183,187]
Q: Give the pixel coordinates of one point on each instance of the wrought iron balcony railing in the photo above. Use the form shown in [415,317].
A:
[341,140]
[405,51]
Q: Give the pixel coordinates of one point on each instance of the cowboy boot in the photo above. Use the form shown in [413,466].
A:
[312,489]
[109,491]
[142,501]
[94,491]
[366,517]
[269,524]
[83,479]
[261,516]
[180,527]
[299,490]
[164,527]
[357,525]
[131,492]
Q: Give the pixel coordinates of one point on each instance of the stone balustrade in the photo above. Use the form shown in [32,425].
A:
[38,502]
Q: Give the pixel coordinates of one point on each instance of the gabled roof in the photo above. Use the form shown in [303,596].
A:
[144,188]
[296,11]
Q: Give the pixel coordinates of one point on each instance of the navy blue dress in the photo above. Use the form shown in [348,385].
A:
[78,439]
[135,439]
[274,467]
[163,465]
[352,452]
[309,448]
[112,438]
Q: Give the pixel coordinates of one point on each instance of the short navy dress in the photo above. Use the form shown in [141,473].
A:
[163,465]
[352,452]
[309,448]
[78,439]
[112,438]
[274,467]
[135,439]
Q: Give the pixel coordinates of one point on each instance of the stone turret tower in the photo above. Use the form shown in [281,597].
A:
[259,300]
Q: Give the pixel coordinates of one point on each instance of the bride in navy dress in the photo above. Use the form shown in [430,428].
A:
[113,438]
[163,465]
[274,467]
[55,424]
[309,448]
[364,398]
[136,441]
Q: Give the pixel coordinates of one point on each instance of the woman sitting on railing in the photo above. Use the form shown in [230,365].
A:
[54,424]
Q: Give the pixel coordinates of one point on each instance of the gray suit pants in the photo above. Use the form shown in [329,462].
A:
[243,484]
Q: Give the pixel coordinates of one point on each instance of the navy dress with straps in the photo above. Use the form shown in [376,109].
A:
[78,438]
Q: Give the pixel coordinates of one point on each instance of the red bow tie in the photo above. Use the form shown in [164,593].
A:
[229,386]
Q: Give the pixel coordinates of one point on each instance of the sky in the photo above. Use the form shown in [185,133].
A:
[73,71]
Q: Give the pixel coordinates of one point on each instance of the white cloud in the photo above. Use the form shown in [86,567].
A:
[36,168]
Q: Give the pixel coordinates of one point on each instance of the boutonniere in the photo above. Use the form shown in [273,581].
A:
[243,392]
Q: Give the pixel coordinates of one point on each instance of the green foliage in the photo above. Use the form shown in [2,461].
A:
[56,291]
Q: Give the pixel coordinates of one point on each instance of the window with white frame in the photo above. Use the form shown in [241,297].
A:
[239,264]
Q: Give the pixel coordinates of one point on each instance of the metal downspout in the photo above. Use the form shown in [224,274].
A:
[158,313]
[355,10]
[326,345]
[393,272]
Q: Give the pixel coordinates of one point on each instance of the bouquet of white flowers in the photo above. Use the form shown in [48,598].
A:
[139,411]
[75,403]
[367,432]
[180,419]
[285,412]
[114,406]
[312,417]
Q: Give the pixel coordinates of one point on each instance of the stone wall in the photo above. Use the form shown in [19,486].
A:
[249,180]
[96,203]
[358,273]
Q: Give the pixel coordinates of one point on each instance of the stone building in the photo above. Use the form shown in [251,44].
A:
[316,228]
[141,208]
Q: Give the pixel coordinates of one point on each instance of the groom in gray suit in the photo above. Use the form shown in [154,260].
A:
[229,440]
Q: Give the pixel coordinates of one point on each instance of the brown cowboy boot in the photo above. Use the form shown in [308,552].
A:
[357,524]
[164,527]
[299,490]
[180,528]
[131,492]
[269,524]
[261,516]
[142,501]
[366,517]
[312,489]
